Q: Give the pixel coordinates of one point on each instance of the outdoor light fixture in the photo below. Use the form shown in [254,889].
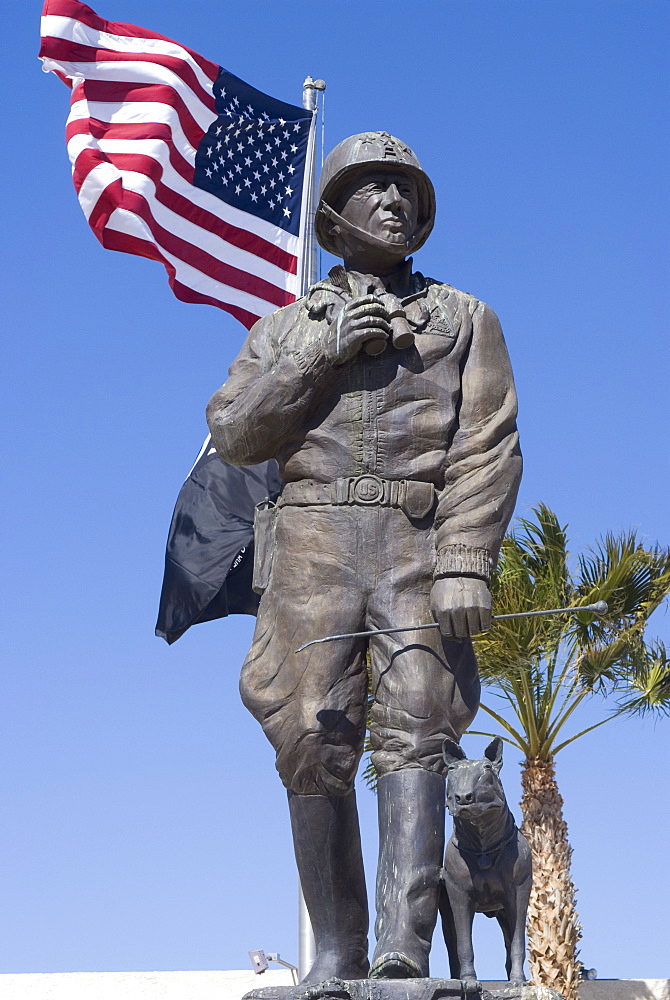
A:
[259,963]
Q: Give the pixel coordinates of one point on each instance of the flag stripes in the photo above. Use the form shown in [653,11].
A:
[82,17]
[141,107]
[71,54]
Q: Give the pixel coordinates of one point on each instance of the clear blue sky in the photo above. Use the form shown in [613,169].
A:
[143,824]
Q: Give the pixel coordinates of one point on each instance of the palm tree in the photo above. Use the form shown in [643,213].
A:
[544,668]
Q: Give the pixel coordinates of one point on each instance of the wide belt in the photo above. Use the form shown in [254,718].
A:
[415,498]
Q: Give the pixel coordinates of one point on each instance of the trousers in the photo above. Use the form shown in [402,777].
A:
[347,569]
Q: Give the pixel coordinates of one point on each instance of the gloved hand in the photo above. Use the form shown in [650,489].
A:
[461,605]
[360,320]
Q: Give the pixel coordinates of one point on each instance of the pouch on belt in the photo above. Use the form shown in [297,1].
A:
[265,520]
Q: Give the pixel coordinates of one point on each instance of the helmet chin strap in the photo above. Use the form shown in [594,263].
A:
[404,249]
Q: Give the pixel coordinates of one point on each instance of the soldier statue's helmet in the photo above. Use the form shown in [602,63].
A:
[360,154]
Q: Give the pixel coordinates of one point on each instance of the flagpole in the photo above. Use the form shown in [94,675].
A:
[308,269]
[308,276]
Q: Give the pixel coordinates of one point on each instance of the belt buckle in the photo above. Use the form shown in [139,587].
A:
[367,490]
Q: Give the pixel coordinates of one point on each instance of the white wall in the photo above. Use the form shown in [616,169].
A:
[233,986]
[137,985]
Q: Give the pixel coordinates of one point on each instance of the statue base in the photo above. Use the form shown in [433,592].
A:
[401,989]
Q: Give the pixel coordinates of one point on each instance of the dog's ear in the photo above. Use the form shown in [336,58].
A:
[452,752]
[494,751]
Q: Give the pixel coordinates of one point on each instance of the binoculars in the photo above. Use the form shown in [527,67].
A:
[401,334]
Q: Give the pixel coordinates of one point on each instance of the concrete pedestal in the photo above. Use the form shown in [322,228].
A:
[401,989]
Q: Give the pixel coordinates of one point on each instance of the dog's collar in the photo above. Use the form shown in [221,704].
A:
[484,858]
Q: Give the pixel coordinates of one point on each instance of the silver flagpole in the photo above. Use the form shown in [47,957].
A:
[308,276]
[308,269]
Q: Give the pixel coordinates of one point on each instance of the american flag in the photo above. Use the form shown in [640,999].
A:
[176,159]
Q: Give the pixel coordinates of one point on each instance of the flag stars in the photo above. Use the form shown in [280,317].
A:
[253,160]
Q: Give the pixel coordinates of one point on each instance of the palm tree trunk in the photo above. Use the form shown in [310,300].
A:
[553,925]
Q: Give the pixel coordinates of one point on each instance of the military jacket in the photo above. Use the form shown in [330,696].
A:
[441,411]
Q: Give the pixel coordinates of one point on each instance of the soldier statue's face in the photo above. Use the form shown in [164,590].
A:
[384,204]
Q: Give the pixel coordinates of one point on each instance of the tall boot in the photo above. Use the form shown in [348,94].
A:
[327,844]
[411,851]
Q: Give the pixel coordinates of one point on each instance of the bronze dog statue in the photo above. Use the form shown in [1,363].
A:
[487,863]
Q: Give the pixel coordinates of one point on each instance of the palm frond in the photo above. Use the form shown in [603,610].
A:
[531,575]
[545,667]
[369,774]
[603,663]
[492,736]
[545,546]
[633,580]
[647,688]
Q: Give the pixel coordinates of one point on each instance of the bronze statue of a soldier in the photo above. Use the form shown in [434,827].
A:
[388,400]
